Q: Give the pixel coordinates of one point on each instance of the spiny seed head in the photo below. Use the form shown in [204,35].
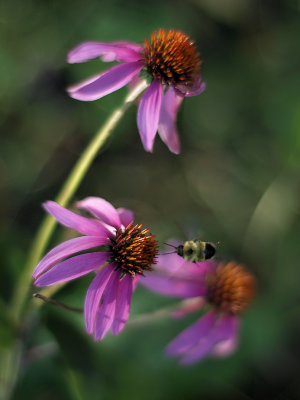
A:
[172,58]
[134,249]
[231,289]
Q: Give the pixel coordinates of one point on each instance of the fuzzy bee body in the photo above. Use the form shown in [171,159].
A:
[196,250]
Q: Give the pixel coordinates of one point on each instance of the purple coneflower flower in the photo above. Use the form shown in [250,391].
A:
[228,288]
[130,251]
[172,63]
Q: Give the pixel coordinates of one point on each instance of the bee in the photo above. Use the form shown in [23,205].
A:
[195,250]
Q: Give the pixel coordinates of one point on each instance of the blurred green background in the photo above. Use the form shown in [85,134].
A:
[236,181]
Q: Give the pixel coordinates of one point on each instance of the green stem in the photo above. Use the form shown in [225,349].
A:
[44,233]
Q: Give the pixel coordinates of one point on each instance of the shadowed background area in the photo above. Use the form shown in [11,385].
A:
[236,182]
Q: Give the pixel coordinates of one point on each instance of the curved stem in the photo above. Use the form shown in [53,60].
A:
[66,193]
[57,303]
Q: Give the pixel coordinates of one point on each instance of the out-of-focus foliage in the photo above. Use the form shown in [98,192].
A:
[236,181]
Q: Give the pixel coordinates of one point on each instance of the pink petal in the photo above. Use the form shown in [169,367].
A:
[175,265]
[93,296]
[81,224]
[167,118]
[122,305]
[173,286]
[106,312]
[72,268]
[106,83]
[119,51]
[189,306]
[66,249]
[101,209]
[186,91]
[196,92]
[133,46]
[126,216]
[227,347]
[192,335]
[135,281]
[148,114]
[222,330]
[206,267]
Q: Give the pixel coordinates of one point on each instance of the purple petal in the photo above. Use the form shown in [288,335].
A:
[189,306]
[122,305]
[136,280]
[192,335]
[186,91]
[174,265]
[101,209]
[133,46]
[72,268]
[66,249]
[222,330]
[106,312]
[106,83]
[119,51]
[227,347]
[173,286]
[81,224]
[196,92]
[93,296]
[148,114]
[166,127]
[170,264]
[126,216]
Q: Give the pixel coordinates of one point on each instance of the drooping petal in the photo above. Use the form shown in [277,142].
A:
[169,264]
[192,335]
[93,296]
[105,83]
[189,306]
[186,91]
[173,286]
[119,51]
[175,265]
[133,46]
[136,280]
[101,209]
[126,216]
[167,120]
[72,220]
[66,249]
[148,114]
[196,92]
[223,330]
[227,347]
[122,305]
[106,312]
[72,268]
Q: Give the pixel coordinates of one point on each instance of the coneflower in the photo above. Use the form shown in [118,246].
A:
[171,64]
[227,287]
[130,250]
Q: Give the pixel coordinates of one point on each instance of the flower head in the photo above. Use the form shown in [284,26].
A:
[227,287]
[130,250]
[172,64]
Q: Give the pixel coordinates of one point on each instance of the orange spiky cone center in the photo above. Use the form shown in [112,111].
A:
[231,289]
[134,249]
[172,58]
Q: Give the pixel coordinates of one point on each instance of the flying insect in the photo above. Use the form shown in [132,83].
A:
[195,250]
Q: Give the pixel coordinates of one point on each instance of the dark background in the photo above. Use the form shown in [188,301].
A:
[236,181]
